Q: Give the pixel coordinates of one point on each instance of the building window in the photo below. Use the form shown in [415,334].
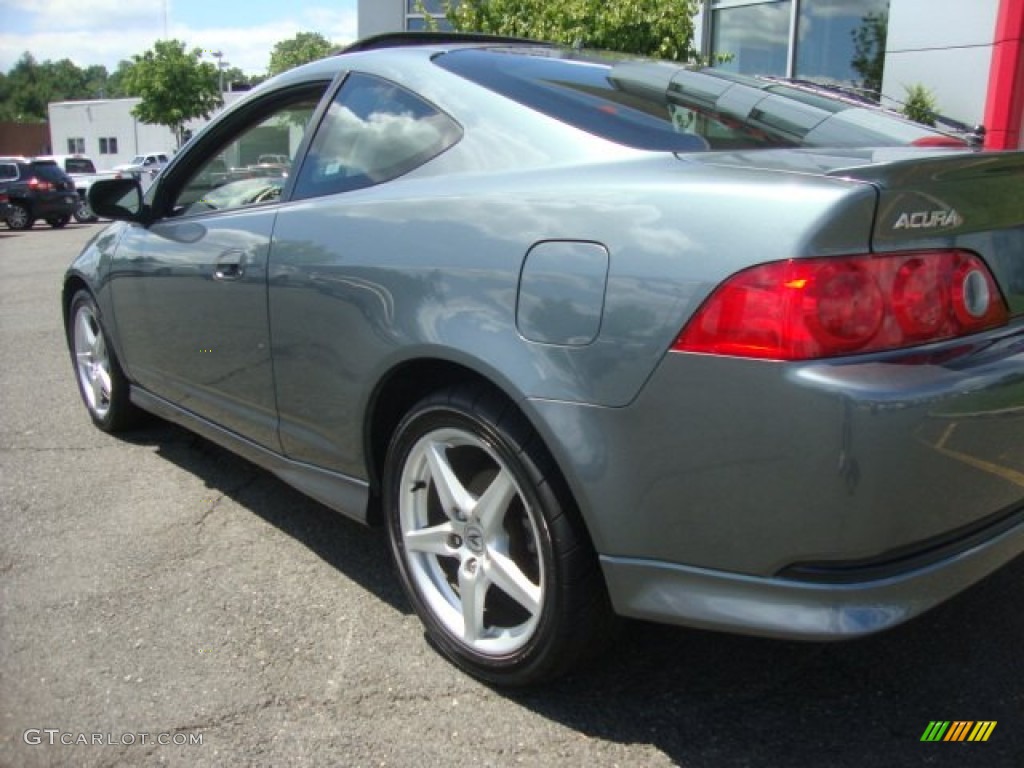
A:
[753,38]
[76,146]
[843,41]
[418,14]
[108,146]
[838,41]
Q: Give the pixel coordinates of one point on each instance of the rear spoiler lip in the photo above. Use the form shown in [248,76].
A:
[935,200]
[411,39]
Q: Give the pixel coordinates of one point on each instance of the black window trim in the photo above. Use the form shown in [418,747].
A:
[161,195]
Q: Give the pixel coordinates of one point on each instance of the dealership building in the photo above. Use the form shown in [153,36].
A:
[106,130]
[967,53]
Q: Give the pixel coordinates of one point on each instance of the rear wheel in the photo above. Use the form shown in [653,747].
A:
[487,543]
[19,217]
[101,382]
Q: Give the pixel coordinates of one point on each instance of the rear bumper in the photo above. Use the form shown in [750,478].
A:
[803,500]
[802,610]
[59,205]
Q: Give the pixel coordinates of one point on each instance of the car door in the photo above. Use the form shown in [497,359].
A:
[189,290]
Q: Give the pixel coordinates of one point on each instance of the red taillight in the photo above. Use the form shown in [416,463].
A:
[809,308]
[41,185]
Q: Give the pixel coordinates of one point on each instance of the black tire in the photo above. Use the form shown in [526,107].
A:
[101,382]
[58,221]
[83,214]
[19,217]
[514,541]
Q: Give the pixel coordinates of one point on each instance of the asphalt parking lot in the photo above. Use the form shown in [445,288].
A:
[158,589]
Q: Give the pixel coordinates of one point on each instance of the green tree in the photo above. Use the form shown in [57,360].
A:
[235,76]
[25,99]
[6,110]
[920,104]
[175,85]
[29,86]
[115,87]
[661,28]
[869,51]
[301,49]
[33,85]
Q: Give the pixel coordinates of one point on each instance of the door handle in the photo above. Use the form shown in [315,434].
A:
[230,266]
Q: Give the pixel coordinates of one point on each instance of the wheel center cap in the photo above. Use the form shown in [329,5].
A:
[475,539]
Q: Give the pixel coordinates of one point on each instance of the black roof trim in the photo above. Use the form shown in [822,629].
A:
[404,39]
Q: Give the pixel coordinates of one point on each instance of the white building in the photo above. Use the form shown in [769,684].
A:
[106,130]
[968,53]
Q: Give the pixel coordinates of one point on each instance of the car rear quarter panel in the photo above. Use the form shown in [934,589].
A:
[429,267]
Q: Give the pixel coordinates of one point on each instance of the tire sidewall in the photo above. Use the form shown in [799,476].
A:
[107,422]
[525,664]
[24,217]
[83,213]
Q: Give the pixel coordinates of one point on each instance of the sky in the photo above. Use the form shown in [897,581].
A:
[106,31]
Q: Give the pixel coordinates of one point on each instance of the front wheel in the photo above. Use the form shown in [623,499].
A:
[487,542]
[101,382]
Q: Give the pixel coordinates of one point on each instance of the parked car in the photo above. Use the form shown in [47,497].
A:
[150,163]
[274,160]
[5,206]
[36,189]
[590,336]
[83,172]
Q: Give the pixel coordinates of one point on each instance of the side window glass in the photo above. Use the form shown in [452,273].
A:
[237,175]
[373,132]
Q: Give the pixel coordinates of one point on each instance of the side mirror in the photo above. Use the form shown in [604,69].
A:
[117,199]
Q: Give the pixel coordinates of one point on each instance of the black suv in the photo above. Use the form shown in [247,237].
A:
[37,189]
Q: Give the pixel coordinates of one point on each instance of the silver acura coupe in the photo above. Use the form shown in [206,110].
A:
[590,336]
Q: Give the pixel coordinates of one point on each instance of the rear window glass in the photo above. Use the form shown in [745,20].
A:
[660,106]
[79,165]
[579,91]
[48,170]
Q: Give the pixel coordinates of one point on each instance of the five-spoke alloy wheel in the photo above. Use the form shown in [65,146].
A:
[101,382]
[491,555]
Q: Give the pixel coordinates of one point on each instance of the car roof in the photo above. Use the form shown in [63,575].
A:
[381,54]
[436,39]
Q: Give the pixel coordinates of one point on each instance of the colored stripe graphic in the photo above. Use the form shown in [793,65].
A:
[958,731]
[982,730]
[935,731]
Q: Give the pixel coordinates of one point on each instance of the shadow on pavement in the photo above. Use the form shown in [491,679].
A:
[353,549]
[707,699]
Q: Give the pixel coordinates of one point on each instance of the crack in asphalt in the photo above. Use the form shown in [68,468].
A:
[230,492]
